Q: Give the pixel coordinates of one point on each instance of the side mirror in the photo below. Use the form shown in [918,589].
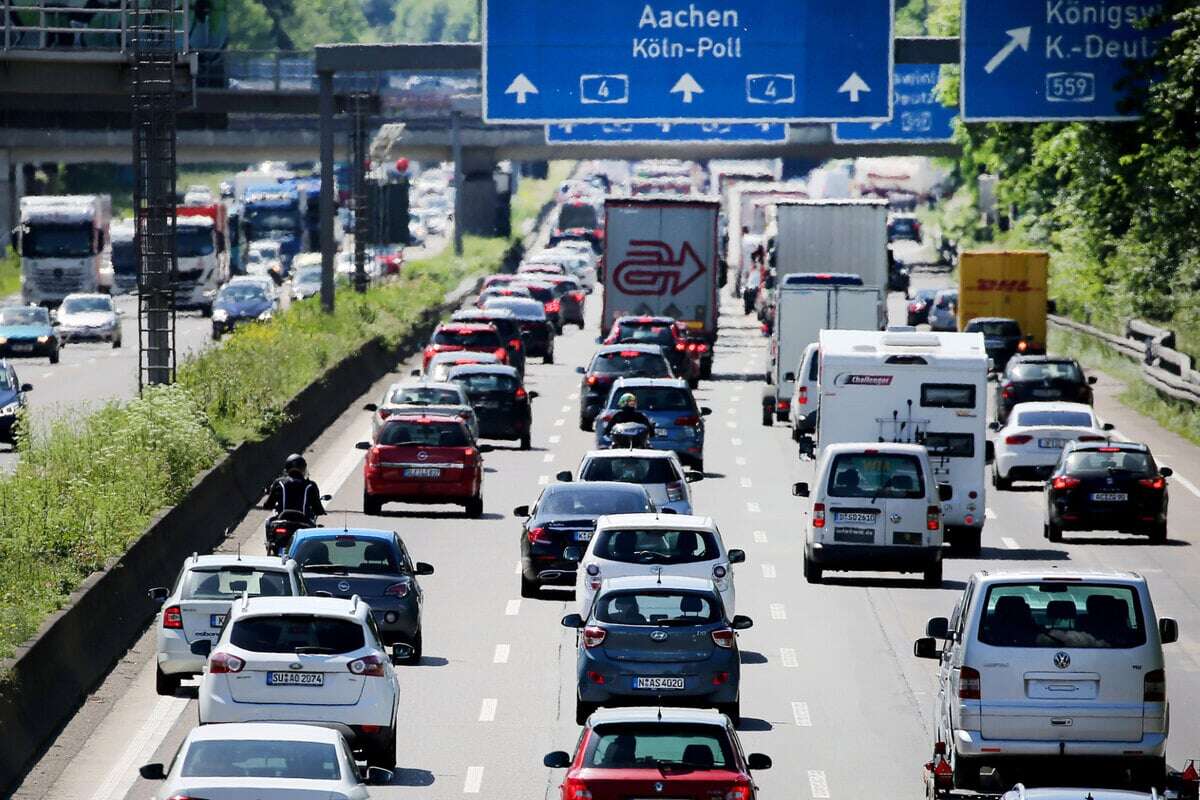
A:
[362,446]
[926,647]
[993,376]
[741,622]
[370,407]
[487,448]
[1168,630]
[938,628]
[1091,380]
[572,553]
[378,776]
[416,373]
[945,492]
[559,759]
[424,568]
[994,426]
[578,371]
[692,476]
[532,395]
[789,376]
[1108,426]
[26,387]
[800,489]
[1166,472]
[401,652]
[989,452]
[572,621]
[705,411]
[159,594]
[521,511]
[737,556]
[153,772]
[202,647]
[564,476]
[758,761]
[325,498]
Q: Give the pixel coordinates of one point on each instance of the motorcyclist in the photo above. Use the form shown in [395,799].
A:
[627,412]
[294,492]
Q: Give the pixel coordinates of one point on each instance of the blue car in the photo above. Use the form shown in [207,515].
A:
[28,331]
[241,300]
[12,400]
[670,405]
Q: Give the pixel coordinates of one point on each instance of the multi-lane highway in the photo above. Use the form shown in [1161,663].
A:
[829,686]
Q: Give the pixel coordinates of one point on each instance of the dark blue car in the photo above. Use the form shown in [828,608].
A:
[27,331]
[12,400]
[240,300]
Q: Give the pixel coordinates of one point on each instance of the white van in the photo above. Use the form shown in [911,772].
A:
[806,397]
[874,507]
[1045,667]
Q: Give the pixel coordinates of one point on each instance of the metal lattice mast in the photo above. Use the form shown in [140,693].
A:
[154,99]
[360,114]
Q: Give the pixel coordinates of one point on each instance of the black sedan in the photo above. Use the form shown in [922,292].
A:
[537,330]
[917,308]
[1109,486]
[502,406]
[1001,338]
[609,363]
[565,517]
[1040,378]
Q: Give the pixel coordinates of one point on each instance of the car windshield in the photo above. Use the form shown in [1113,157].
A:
[81,305]
[657,398]
[1066,614]
[643,334]
[1005,328]
[124,257]
[466,337]
[524,310]
[24,316]
[244,758]
[484,382]
[295,633]
[349,553]
[506,326]
[1066,419]
[888,475]
[193,242]
[226,583]
[902,225]
[631,362]
[592,503]
[6,379]
[57,241]
[630,469]
[577,216]
[429,434]
[946,300]
[424,395]
[1046,371]
[653,745]
[656,607]
[633,546]
[308,276]
[270,220]
[1106,461]
[242,293]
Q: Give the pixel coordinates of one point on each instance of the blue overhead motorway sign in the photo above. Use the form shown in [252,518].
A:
[1031,60]
[917,113]
[547,61]
[666,132]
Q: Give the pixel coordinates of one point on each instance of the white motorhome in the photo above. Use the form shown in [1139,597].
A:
[917,388]
[61,241]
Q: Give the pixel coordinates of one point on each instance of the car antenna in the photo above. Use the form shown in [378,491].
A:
[239,550]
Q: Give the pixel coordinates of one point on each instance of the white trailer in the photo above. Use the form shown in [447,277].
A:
[918,388]
[740,208]
[61,241]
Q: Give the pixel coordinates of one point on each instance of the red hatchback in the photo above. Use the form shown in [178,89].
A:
[652,752]
[419,458]
[477,337]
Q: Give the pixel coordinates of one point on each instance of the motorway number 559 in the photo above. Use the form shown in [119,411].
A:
[1070,87]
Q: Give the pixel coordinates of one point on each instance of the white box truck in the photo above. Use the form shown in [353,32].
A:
[807,305]
[61,241]
[917,388]
[661,259]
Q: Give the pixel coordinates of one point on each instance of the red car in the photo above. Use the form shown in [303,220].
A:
[478,337]
[418,458]
[652,752]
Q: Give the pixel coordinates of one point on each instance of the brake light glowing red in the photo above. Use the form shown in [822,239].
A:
[1006,391]
[593,636]
[1108,449]
[802,396]
[933,518]
[592,380]
[1153,483]
[578,296]
[552,306]
[1020,438]
[783,405]
[367,666]
[576,789]
[818,515]
[690,420]
[680,346]
[1064,482]
[969,687]
[538,536]
[501,355]
[515,344]
[520,393]
[630,353]
[172,618]
[224,663]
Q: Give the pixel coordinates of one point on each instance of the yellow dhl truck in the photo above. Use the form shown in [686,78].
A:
[1006,283]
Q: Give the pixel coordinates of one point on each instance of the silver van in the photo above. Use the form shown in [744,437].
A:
[1035,666]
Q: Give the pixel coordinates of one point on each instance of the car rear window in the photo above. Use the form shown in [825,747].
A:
[346,554]
[1062,614]
[580,216]
[1006,328]
[1097,462]
[429,434]
[291,633]
[425,395]
[542,294]
[657,398]
[946,300]
[631,469]
[887,475]
[650,745]
[663,607]
[226,583]
[523,309]
[482,382]
[1047,371]
[633,546]
[591,503]
[243,758]
[643,334]
[631,362]
[1066,419]
[466,338]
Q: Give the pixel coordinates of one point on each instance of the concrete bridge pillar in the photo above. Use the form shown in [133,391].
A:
[485,196]
[10,175]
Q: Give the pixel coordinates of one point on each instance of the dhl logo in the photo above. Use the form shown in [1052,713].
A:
[991,285]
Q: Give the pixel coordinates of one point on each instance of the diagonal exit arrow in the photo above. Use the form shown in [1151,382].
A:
[1017,37]
[522,87]
[688,86]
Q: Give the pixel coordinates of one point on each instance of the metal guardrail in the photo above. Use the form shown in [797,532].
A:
[78,25]
[1163,367]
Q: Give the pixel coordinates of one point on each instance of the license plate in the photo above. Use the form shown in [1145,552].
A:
[657,683]
[216,620]
[488,404]
[1055,444]
[295,679]
[854,516]
[854,535]
[1045,393]
[22,348]
[661,434]
[423,472]
[583,536]
[1110,497]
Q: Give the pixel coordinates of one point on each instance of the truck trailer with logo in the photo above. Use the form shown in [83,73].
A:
[61,241]
[1006,283]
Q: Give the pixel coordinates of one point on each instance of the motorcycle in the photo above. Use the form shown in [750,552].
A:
[631,435]
[281,528]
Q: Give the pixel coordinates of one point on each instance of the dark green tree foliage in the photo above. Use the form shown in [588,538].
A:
[300,24]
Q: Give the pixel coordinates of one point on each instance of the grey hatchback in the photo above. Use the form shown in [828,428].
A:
[650,639]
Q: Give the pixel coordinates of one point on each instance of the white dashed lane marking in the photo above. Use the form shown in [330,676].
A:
[740,461]
[800,714]
[731,423]
[760,537]
[513,608]
[566,409]
[543,480]
[487,710]
[818,784]
[501,654]
[573,396]
[736,442]
[778,611]
[753,508]
[558,423]
[746,483]
[474,780]
[546,459]
[787,657]
[768,570]
[989,514]
[517,569]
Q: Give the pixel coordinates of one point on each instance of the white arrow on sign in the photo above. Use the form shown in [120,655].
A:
[522,87]
[854,85]
[1017,37]
[688,86]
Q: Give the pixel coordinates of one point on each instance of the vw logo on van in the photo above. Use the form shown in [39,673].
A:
[1062,660]
[894,518]
[659,636]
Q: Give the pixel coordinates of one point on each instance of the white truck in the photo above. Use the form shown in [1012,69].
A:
[806,305]
[916,388]
[202,260]
[61,241]
[744,218]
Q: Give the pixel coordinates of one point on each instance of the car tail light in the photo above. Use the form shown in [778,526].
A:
[502,355]
[680,346]
[400,589]
[224,663]
[576,789]
[1022,346]
[538,536]
[968,684]
[1153,483]
[553,306]
[783,405]
[1064,482]
[1020,438]
[1006,391]
[368,666]
[172,617]
[818,520]
[520,393]
[802,396]
[515,344]
[720,678]
[595,677]
[674,492]
[593,637]
[578,296]
[281,530]
[592,380]
[740,791]
[933,518]
[373,458]
[1154,688]
[384,413]
[701,347]
[689,420]
[725,637]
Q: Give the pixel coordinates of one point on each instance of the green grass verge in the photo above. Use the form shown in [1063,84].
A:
[10,273]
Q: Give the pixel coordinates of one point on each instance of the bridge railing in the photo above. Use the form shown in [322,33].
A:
[82,26]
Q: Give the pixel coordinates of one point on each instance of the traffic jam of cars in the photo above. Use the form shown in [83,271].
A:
[902,416]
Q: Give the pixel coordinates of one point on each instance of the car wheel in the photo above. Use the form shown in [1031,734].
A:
[206,311]
[216,337]
[526,442]
[586,425]
[1053,532]
[933,575]
[1147,774]
[548,358]
[54,356]
[372,506]
[165,685]
[965,541]
[812,572]
[768,417]
[530,588]
[732,710]
[116,342]
[382,753]
[705,371]
[1001,484]
[475,507]
[583,711]
[1158,534]
[966,772]
[694,383]
[418,647]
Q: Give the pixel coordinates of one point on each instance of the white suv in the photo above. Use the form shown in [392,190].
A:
[195,609]
[1033,667]
[649,544]
[314,660]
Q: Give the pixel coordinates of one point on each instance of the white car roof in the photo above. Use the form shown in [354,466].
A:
[701,716]
[354,608]
[1052,405]
[265,731]
[840,448]
[454,355]
[1052,575]
[672,522]
[630,452]
[233,559]
[656,581]
[1021,793]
